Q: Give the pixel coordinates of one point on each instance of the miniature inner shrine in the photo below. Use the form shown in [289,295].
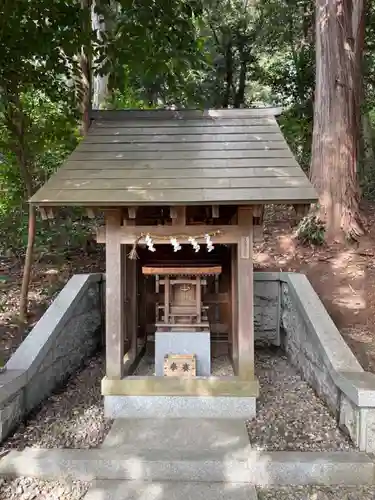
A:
[180,296]
[182,194]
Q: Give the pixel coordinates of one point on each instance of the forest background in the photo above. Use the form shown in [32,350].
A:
[59,59]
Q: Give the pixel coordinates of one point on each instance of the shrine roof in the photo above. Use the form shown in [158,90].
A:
[164,157]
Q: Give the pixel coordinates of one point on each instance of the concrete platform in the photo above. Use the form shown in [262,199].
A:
[259,469]
[179,407]
[134,490]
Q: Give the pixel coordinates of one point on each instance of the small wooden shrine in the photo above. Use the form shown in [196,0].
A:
[179,305]
[182,193]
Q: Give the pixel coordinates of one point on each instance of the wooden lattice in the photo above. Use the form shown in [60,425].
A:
[180,365]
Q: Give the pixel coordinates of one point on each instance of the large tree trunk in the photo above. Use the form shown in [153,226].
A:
[100,90]
[228,74]
[85,92]
[336,116]
[85,63]
[239,99]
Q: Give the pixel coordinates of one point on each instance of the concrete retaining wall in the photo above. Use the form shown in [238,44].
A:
[267,308]
[286,310]
[317,349]
[67,333]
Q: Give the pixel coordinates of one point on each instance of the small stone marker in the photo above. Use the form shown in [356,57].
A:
[180,365]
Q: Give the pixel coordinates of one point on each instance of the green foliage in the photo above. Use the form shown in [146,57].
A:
[38,40]
[157,53]
[51,134]
[311,230]
[296,125]
[156,40]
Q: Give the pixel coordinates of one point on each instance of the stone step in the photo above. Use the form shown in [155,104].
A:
[260,468]
[227,437]
[135,490]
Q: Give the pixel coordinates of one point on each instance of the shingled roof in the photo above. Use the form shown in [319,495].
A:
[179,157]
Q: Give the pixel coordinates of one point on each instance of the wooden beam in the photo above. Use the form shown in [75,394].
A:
[226,234]
[215,328]
[215,211]
[162,271]
[245,311]
[258,214]
[176,386]
[115,279]
[182,282]
[132,212]
[178,215]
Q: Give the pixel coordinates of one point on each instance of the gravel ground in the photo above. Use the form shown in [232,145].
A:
[24,488]
[289,414]
[72,418]
[289,417]
[317,493]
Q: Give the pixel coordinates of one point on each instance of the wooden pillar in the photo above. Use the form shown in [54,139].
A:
[178,215]
[234,305]
[166,299]
[198,299]
[131,306]
[245,328]
[115,280]
[125,249]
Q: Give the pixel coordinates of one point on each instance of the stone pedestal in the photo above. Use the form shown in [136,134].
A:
[197,343]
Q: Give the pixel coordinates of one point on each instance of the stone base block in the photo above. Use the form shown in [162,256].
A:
[197,343]
[179,407]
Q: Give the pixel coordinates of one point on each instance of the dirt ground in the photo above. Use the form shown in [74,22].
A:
[343,276]
[49,275]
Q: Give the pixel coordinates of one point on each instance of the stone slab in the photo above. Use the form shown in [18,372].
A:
[197,343]
[179,407]
[326,337]
[34,348]
[320,468]
[87,465]
[260,469]
[135,490]
[220,436]
[359,387]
